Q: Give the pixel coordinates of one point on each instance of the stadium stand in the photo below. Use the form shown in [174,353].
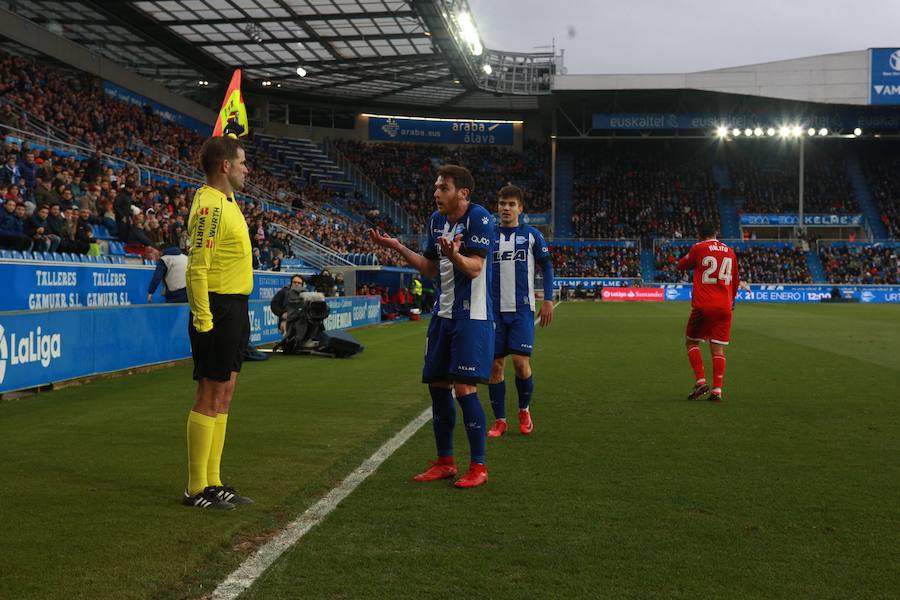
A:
[851,263]
[406,172]
[766,181]
[881,167]
[640,191]
[583,260]
[128,143]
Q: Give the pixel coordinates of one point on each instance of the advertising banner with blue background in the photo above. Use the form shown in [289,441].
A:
[473,133]
[885,85]
[42,285]
[166,113]
[38,348]
[875,294]
[593,282]
[845,120]
[814,220]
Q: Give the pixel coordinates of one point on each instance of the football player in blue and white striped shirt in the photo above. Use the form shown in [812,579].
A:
[518,250]
[460,339]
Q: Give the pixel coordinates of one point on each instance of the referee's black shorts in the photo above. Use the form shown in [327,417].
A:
[218,352]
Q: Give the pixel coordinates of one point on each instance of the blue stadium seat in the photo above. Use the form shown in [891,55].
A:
[16,255]
[56,256]
[69,257]
[5,254]
[27,255]
[117,260]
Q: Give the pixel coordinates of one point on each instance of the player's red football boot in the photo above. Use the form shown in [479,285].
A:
[526,425]
[442,468]
[498,429]
[475,476]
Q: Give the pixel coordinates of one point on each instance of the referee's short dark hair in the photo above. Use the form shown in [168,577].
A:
[461,177]
[218,149]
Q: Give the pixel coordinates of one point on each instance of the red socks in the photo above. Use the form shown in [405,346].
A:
[718,372]
[696,359]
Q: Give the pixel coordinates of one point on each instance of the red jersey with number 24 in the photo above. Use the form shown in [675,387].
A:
[715,275]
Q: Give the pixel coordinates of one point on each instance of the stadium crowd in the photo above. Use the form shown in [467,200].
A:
[860,265]
[755,265]
[105,188]
[881,170]
[406,172]
[595,261]
[767,182]
[630,193]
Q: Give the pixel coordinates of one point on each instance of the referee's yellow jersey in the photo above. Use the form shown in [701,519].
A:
[220,258]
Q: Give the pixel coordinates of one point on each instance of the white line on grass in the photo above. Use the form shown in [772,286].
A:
[244,576]
[250,570]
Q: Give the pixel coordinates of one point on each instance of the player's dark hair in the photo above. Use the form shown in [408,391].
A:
[460,176]
[215,150]
[706,229]
[512,191]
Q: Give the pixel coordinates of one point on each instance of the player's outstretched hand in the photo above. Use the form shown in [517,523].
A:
[546,313]
[384,240]
[448,248]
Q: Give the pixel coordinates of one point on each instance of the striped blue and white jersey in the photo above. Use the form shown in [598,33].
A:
[516,252]
[458,296]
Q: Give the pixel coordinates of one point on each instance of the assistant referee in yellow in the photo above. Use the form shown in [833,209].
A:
[219,282]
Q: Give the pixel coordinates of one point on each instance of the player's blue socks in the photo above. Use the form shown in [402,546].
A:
[443,414]
[525,388]
[473,416]
[498,399]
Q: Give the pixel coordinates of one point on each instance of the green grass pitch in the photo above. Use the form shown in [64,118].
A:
[788,489]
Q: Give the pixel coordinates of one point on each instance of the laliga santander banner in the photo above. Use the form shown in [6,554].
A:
[232,119]
[633,294]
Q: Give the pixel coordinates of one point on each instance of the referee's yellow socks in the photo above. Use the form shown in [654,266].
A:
[215,454]
[200,432]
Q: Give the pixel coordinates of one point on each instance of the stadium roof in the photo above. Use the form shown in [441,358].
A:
[390,52]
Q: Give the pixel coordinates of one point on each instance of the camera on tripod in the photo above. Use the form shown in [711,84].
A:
[304,329]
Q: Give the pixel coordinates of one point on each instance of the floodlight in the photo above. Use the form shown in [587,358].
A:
[796,131]
[487,69]
[757,132]
[748,132]
[811,131]
[301,71]
[735,132]
[823,131]
[722,131]
[770,131]
[784,131]
[857,131]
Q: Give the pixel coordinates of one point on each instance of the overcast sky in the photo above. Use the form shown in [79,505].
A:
[680,36]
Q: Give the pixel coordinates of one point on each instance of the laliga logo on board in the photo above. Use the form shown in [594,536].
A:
[867,296]
[34,348]
[672,293]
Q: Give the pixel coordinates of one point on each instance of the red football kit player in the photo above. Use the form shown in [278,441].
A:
[715,288]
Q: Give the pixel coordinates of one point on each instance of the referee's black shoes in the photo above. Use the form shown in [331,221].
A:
[207,498]
[229,495]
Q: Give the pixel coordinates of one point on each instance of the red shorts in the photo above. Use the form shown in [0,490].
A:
[709,324]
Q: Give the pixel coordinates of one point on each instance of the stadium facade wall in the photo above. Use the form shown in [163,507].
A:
[43,347]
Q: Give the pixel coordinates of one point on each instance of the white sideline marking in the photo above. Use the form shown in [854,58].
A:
[244,576]
[254,566]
